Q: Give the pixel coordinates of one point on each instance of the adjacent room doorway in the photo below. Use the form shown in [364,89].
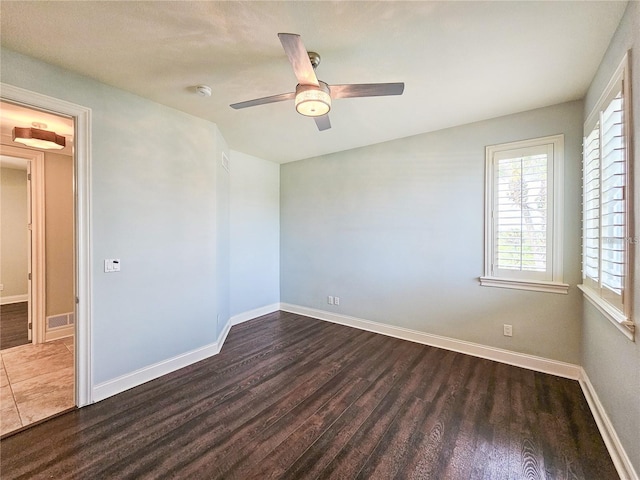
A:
[37,297]
[81,117]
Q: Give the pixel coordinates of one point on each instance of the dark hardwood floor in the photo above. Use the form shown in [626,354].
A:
[13,325]
[296,398]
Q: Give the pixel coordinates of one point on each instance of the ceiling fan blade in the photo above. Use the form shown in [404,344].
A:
[261,101]
[299,58]
[323,122]
[366,90]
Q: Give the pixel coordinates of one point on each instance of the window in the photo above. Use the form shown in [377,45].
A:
[523,221]
[606,203]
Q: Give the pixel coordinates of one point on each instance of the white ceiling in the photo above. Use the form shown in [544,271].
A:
[461,61]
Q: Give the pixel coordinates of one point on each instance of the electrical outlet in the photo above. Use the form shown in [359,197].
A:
[507,330]
[330,300]
[336,300]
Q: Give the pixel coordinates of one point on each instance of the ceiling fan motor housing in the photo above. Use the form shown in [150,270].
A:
[314,58]
[313,101]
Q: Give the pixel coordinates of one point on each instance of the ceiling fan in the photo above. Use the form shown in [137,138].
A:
[312,96]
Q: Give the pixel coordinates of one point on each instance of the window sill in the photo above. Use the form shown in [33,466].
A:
[532,285]
[610,313]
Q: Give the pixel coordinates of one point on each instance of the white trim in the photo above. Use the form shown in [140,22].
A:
[151,372]
[37,260]
[620,73]
[14,299]
[251,314]
[536,286]
[142,375]
[58,333]
[622,314]
[82,142]
[156,370]
[609,436]
[528,280]
[611,313]
[38,250]
[531,362]
[223,336]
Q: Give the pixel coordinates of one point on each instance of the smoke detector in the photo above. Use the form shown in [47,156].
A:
[203,90]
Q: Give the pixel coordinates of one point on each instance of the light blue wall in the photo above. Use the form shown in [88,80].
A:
[155,199]
[255,233]
[396,230]
[612,362]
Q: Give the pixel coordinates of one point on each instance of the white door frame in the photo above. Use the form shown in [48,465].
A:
[36,264]
[30,247]
[82,185]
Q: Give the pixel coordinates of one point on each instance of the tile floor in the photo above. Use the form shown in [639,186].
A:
[36,381]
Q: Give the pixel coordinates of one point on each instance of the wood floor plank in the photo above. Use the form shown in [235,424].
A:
[320,453]
[351,459]
[434,448]
[391,452]
[14,321]
[273,462]
[348,372]
[296,398]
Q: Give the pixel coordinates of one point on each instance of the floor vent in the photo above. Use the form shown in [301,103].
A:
[57,321]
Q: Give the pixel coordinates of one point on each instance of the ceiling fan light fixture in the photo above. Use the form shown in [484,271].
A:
[312,101]
[39,138]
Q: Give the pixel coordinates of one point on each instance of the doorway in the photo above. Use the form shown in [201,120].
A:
[15,251]
[37,372]
[82,189]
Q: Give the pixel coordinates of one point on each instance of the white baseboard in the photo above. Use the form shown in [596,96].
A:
[151,372]
[531,362]
[14,299]
[609,436]
[223,335]
[58,333]
[251,314]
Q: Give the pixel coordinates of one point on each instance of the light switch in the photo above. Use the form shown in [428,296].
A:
[112,265]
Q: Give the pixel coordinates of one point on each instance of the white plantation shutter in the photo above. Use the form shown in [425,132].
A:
[605,220]
[612,214]
[521,212]
[591,220]
[523,228]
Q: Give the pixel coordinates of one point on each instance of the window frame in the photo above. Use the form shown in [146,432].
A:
[621,317]
[555,219]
